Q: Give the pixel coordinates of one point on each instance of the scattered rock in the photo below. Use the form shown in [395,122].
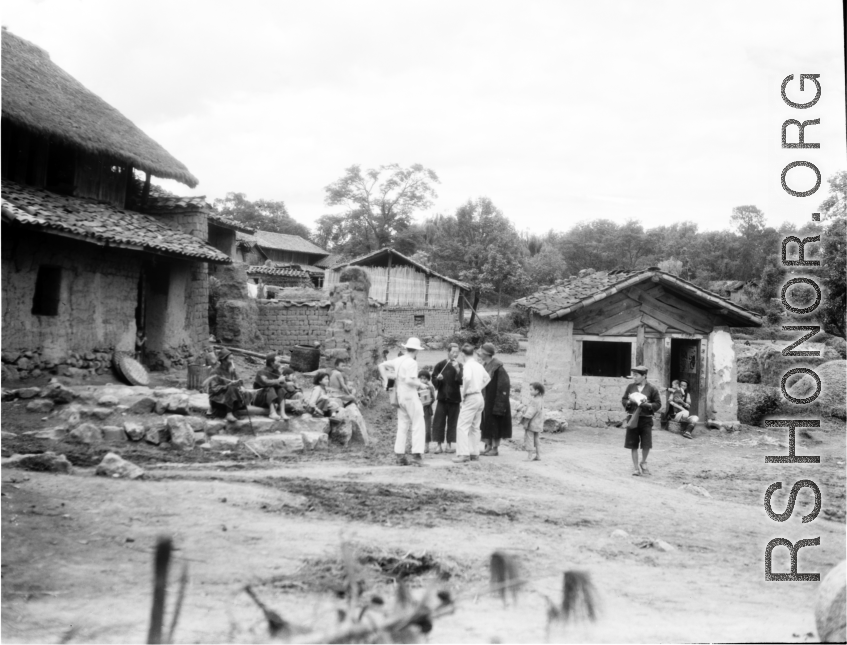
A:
[696,490]
[10,356]
[555,421]
[57,433]
[276,445]
[166,392]
[182,434]
[340,431]
[157,433]
[663,546]
[115,466]
[100,413]
[134,431]
[199,402]
[197,424]
[223,442]
[9,395]
[814,435]
[113,434]
[352,417]
[40,406]
[200,438]
[177,404]
[72,415]
[107,401]
[28,392]
[144,405]
[257,425]
[314,440]
[45,462]
[215,426]
[619,534]
[831,606]
[308,423]
[86,433]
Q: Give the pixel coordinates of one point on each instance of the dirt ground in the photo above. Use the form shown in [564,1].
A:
[77,550]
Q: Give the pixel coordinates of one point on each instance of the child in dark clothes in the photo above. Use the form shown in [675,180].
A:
[426,393]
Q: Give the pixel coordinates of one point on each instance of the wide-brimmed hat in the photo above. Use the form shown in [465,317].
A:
[640,369]
[413,343]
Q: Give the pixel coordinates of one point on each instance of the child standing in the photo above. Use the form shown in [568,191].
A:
[533,421]
[426,393]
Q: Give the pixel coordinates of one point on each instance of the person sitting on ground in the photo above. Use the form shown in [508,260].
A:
[320,402]
[681,410]
[673,394]
[532,420]
[426,393]
[226,394]
[270,385]
[338,383]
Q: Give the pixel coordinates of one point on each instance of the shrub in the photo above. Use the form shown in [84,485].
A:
[755,405]
[504,343]
[514,322]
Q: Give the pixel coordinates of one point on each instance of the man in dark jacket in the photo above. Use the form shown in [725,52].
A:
[641,400]
[497,413]
[447,378]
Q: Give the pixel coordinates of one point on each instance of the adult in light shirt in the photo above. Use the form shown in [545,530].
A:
[474,379]
[410,416]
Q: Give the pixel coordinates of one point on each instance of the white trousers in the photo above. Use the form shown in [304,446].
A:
[467,427]
[410,416]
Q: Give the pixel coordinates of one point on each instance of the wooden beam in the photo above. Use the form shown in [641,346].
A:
[615,305]
[639,345]
[668,319]
[658,325]
[607,324]
[145,194]
[473,311]
[692,321]
[622,327]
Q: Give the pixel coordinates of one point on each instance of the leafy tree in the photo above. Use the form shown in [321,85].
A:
[261,214]
[834,261]
[546,266]
[380,203]
[671,265]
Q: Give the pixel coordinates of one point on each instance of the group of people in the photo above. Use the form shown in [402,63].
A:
[642,401]
[464,401]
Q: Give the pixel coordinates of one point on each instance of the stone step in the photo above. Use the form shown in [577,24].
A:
[277,444]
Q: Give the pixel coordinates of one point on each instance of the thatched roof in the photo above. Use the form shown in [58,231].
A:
[92,221]
[40,96]
[375,258]
[574,293]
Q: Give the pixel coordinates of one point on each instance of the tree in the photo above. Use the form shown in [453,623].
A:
[380,203]
[262,214]
[672,266]
[545,267]
[834,261]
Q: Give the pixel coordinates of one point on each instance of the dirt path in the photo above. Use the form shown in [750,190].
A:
[77,549]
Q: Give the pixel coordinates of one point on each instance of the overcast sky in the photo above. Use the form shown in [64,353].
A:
[558,111]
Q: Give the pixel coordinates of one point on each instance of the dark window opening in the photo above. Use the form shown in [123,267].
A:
[48,288]
[419,321]
[606,359]
[61,169]
[159,279]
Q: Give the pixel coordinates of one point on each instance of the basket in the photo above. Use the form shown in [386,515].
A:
[196,375]
[305,358]
[130,369]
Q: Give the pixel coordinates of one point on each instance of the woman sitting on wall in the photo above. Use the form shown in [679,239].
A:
[226,394]
[320,402]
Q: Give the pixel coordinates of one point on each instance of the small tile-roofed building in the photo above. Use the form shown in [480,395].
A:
[91,254]
[588,331]
[283,251]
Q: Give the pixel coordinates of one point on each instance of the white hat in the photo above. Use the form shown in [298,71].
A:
[413,343]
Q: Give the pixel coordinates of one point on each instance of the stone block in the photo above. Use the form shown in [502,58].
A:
[276,445]
[45,462]
[40,406]
[134,431]
[115,466]
[86,433]
[308,423]
[215,426]
[199,402]
[107,401]
[314,440]
[182,434]
[28,392]
[224,442]
[113,434]
[57,433]
[157,433]
[144,405]
[198,424]
[200,438]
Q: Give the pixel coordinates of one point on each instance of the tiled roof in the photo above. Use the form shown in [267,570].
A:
[162,202]
[285,242]
[228,222]
[288,271]
[364,259]
[316,303]
[567,295]
[100,223]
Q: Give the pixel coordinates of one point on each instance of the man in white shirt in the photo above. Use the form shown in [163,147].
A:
[474,379]
[410,414]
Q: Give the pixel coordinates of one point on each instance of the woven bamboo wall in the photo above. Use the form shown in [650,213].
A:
[406,287]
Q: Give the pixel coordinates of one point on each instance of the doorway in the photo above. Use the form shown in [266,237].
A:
[685,364]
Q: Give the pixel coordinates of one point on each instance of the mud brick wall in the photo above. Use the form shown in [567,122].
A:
[193,222]
[96,302]
[399,322]
[284,325]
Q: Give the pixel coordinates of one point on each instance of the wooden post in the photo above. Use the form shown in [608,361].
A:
[388,278]
[145,194]
[639,345]
[473,309]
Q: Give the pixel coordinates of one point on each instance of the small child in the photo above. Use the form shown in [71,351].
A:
[533,421]
[426,393]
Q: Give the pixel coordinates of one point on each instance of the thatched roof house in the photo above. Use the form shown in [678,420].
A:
[588,331]
[90,254]
[41,97]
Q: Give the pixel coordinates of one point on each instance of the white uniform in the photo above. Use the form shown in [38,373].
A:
[410,414]
[474,379]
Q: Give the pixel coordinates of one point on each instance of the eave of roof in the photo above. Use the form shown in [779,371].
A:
[287,242]
[375,254]
[286,272]
[101,224]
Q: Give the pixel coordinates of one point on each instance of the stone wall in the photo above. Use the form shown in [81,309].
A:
[237,314]
[722,393]
[97,296]
[284,325]
[548,360]
[399,323]
[193,222]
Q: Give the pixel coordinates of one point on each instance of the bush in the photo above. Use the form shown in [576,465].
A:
[755,405]
[513,322]
[505,343]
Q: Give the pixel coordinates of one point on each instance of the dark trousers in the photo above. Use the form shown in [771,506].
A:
[428,423]
[445,419]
